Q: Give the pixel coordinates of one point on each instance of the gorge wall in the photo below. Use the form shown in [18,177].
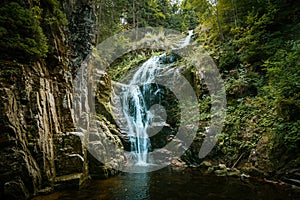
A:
[37,151]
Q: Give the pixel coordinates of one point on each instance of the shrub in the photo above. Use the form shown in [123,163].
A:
[22,38]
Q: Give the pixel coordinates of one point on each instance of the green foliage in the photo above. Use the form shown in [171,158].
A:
[252,34]
[108,17]
[283,92]
[22,38]
[283,71]
[256,46]
[53,13]
[123,65]
[243,128]
[142,13]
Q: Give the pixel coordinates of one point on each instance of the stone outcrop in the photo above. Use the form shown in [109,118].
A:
[95,120]
[36,114]
[38,153]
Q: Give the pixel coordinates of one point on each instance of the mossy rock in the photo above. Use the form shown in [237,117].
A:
[221,172]
[206,164]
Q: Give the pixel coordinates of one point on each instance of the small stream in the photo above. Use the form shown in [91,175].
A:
[171,184]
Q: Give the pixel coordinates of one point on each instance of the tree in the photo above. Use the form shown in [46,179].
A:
[22,38]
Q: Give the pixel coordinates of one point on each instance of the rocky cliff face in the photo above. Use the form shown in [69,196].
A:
[37,153]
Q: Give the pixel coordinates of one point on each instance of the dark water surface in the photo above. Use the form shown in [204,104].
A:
[169,184]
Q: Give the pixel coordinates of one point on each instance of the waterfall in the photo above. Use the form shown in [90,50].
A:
[138,100]
[187,40]
[137,108]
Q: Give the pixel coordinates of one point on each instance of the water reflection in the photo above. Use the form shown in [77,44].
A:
[175,184]
[136,187]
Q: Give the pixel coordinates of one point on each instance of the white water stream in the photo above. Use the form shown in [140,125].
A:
[136,106]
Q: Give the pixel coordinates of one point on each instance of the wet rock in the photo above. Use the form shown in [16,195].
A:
[295,182]
[173,58]
[234,172]
[206,164]
[15,190]
[169,58]
[222,166]
[221,172]
[45,190]
[161,138]
[245,177]
[73,181]
[259,161]
[253,171]
[178,163]
[210,170]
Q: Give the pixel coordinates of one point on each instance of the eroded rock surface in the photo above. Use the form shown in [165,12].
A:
[38,153]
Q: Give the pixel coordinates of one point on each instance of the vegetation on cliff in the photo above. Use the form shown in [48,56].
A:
[23,32]
[256,46]
[21,35]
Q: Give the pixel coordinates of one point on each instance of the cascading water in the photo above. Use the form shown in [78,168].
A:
[187,40]
[136,107]
[137,101]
